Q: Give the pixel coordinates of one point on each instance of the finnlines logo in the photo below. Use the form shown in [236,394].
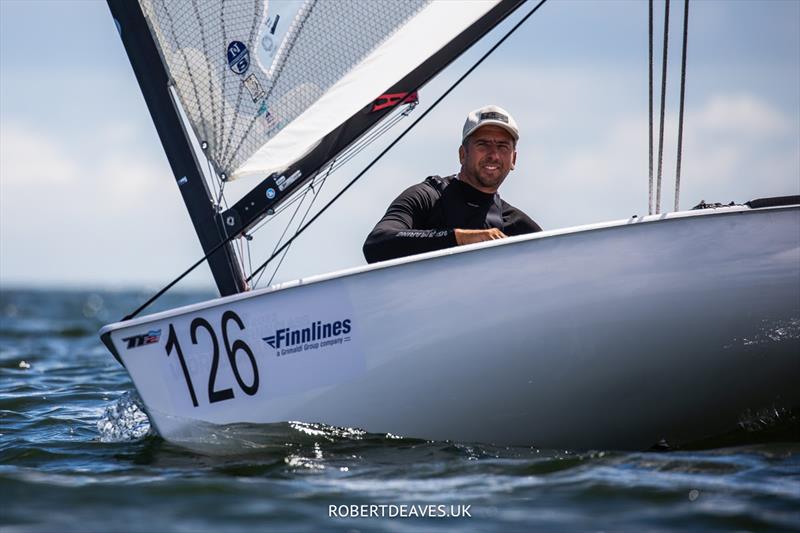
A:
[317,335]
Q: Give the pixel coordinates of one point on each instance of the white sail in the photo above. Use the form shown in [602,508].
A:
[262,81]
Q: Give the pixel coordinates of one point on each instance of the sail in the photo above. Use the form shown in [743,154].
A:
[262,81]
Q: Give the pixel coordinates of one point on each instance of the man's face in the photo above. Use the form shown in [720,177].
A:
[487,157]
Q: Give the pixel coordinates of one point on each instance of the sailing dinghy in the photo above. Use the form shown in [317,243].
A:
[669,327]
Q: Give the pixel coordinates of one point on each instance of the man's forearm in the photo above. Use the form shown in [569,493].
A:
[386,243]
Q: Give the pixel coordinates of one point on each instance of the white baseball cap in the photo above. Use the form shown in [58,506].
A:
[490,115]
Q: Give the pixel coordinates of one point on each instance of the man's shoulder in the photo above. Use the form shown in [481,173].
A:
[508,208]
[438,183]
[423,194]
[431,187]
[518,219]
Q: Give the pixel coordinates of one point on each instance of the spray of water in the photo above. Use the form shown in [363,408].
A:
[124,420]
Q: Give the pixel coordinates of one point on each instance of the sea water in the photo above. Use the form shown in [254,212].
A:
[77,453]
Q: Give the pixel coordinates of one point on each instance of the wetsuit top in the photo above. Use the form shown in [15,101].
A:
[424,218]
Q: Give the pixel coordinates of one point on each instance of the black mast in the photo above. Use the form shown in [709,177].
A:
[154,83]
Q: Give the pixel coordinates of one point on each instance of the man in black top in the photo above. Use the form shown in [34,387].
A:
[461,209]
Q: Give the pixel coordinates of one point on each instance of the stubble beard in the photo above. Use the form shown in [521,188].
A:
[489,180]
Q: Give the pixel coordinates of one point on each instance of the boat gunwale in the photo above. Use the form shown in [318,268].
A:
[106,330]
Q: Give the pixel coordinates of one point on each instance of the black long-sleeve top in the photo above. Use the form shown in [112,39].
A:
[423,218]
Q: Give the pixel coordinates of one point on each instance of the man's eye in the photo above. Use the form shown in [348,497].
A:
[486,144]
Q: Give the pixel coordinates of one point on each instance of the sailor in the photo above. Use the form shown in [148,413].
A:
[465,208]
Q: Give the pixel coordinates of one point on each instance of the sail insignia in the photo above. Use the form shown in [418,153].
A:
[244,70]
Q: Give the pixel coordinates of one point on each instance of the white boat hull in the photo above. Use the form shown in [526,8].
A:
[616,335]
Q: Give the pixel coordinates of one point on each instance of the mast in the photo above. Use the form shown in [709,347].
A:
[154,84]
[278,187]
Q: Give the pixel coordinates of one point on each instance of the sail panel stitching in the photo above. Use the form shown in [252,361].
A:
[186,62]
[211,90]
[238,107]
[271,82]
[290,91]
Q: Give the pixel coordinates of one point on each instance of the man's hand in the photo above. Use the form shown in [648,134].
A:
[471,236]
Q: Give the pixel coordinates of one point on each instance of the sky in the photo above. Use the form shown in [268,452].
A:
[87,198]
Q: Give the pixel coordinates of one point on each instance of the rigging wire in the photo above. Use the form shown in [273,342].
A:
[663,105]
[197,263]
[409,128]
[335,165]
[683,93]
[288,224]
[308,209]
[297,196]
[346,156]
[351,182]
[248,238]
[650,101]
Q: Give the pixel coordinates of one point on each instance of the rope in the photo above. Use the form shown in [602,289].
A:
[650,101]
[350,184]
[663,104]
[683,92]
[408,129]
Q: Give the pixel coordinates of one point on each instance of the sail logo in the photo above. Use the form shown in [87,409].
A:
[389,100]
[151,337]
[238,57]
[317,335]
[268,42]
[271,120]
[255,89]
